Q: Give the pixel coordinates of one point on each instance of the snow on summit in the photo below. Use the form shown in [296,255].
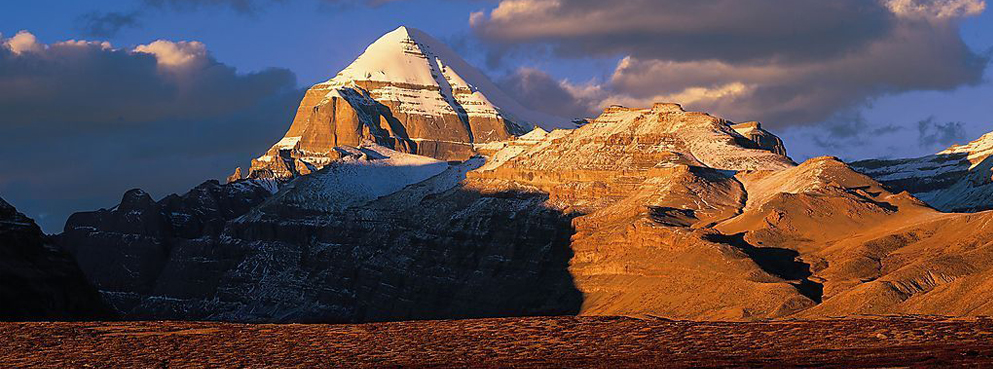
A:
[408,92]
[410,56]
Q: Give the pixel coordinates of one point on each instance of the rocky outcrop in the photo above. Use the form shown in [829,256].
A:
[40,282]
[236,176]
[763,139]
[957,179]
[408,92]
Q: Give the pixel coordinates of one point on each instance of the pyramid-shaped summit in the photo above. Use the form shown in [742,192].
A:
[407,91]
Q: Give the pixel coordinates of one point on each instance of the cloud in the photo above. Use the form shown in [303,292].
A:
[787,63]
[250,6]
[175,54]
[106,24]
[935,9]
[84,121]
[848,135]
[934,134]
[540,92]
[688,29]
[21,43]
[850,129]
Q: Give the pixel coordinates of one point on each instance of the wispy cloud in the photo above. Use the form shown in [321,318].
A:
[937,134]
[96,24]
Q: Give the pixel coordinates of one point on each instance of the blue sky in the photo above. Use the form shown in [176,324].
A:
[905,113]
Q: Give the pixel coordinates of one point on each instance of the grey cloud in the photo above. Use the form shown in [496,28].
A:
[84,122]
[850,128]
[116,88]
[98,24]
[540,92]
[730,30]
[852,137]
[784,63]
[848,135]
[933,133]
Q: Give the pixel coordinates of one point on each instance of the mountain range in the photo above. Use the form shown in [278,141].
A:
[410,187]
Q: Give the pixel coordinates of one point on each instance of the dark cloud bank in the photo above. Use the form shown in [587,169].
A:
[787,63]
[84,121]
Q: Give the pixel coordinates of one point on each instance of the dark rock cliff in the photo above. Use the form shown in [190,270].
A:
[38,281]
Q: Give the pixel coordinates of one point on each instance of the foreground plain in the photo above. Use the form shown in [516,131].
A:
[505,342]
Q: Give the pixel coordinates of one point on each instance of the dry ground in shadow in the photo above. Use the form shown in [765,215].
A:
[505,342]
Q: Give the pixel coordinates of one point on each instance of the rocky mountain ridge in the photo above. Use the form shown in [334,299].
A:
[126,249]
[385,201]
[40,282]
[641,212]
[957,179]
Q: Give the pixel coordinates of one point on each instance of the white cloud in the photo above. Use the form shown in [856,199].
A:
[703,95]
[477,18]
[84,43]
[175,54]
[936,9]
[510,9]
[22,42]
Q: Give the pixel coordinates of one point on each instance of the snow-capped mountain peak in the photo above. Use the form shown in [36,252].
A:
[408,56]
[407,91]
[404,55]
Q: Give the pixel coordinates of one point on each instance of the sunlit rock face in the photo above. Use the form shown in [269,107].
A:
[407,91]
[957,179]
[762,138]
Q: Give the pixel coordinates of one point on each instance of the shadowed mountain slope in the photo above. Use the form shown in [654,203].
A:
[39,282]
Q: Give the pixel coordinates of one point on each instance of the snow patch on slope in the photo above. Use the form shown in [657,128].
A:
[955,179]
[370,172]
[975,151]
[536,140]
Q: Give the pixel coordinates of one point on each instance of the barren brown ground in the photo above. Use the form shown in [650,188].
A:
[511,342]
